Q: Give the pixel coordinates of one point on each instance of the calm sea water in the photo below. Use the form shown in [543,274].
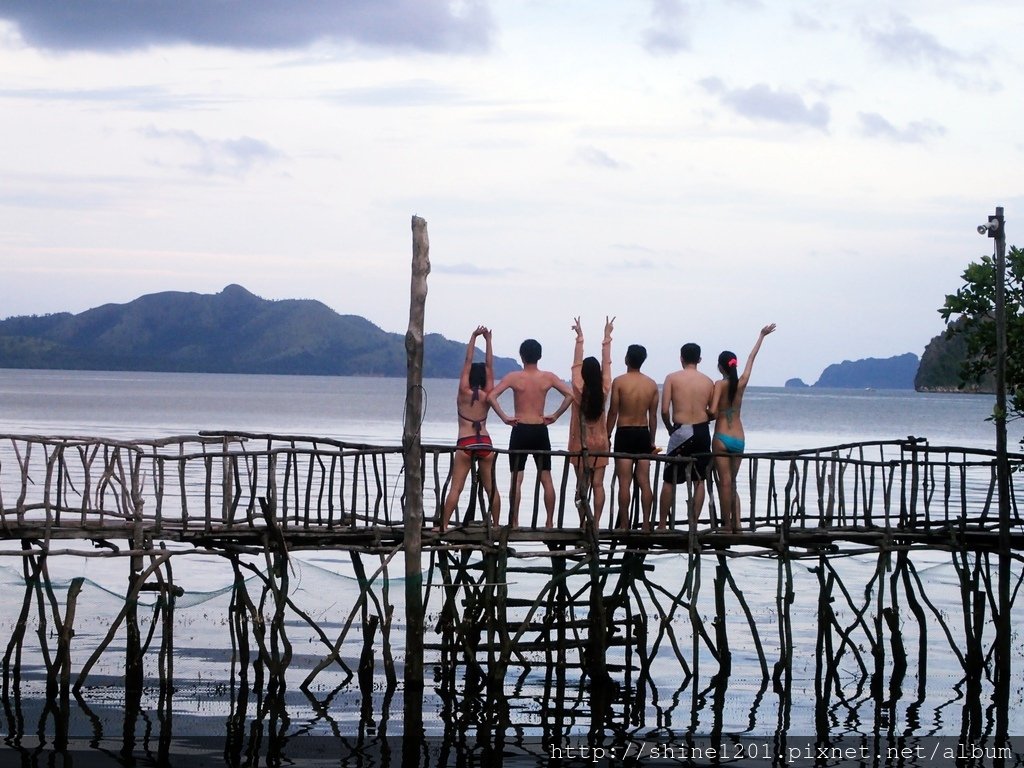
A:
[371,410]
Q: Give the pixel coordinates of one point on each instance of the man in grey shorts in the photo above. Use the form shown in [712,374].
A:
[686,412]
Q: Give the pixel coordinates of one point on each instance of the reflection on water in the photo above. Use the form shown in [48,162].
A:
[299,662]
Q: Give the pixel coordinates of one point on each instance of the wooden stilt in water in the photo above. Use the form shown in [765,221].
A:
[12,656]
[721,627]
[878,649]
[783,674]
[412,451]
[822,655]
[133,670]
[899,651]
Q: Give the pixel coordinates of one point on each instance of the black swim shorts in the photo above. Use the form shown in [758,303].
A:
[633,440]
[529,437]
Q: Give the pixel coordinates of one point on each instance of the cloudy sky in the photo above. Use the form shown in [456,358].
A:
[697,168]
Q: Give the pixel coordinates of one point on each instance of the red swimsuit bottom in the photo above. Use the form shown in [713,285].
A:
[477,446]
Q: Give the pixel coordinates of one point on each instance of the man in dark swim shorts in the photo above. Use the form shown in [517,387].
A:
[530,387]
[633,414]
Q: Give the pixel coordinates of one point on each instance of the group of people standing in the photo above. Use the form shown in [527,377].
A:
[626,407]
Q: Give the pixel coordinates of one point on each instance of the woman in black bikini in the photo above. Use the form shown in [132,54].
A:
[474,442]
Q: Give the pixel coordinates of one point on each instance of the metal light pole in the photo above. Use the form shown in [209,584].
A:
[996,229]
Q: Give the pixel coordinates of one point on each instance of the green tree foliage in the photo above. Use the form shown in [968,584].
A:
[971,313]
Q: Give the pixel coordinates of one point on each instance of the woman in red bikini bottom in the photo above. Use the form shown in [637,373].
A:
[474,442]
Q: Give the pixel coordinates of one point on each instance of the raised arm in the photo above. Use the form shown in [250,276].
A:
[470,354]
[577,357]
[606,354]
[488,356]
[745,376]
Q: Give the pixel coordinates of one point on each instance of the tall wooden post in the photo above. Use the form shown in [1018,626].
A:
[413,454]
[1003,626]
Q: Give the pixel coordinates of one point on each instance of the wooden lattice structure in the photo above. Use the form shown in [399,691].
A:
[604,610]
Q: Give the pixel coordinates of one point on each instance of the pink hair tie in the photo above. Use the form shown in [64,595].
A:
[732,363]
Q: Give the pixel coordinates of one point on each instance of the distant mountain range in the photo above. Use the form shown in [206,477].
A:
[871,373]
[233,331]
[938,370]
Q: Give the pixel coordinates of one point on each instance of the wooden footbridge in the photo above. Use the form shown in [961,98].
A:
[221,490]
[601,605]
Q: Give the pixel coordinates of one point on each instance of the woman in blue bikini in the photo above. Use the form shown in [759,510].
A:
[727,444]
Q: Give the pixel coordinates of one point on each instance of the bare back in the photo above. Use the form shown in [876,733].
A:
[686,397]
[634,400]
[530,389]
[727,421]
[472,413]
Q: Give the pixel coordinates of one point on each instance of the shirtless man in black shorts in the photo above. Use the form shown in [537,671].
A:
[686,411]
[633,408]
[530,388]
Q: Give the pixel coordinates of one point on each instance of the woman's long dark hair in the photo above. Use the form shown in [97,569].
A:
[727,365]
[477,378]
[592,405]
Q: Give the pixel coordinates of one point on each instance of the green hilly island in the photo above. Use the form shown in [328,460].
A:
[233,331]
[941,364]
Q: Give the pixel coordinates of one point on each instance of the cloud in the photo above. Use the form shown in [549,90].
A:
[901,42]
[875,126]
[49,199]
[413,93]
[807,21]
[666,35]
[633,265]
[761,102]
[219,157]
[469,270]
[597,158]
[148,98]
[116,25]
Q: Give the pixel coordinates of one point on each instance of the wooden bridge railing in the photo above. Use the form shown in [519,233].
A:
[214,481]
